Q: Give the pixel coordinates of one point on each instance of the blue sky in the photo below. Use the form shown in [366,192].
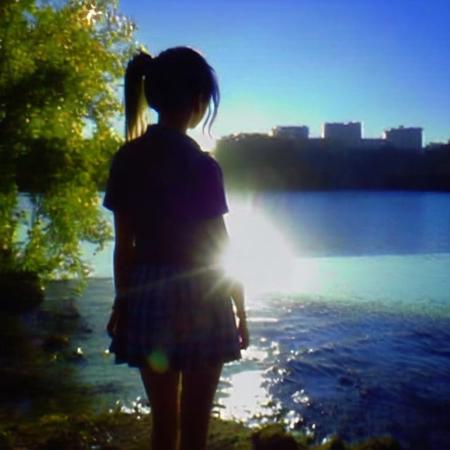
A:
[287,62]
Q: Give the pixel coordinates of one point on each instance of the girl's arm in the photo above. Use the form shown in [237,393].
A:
[124,254]
[123,259]
[218,239]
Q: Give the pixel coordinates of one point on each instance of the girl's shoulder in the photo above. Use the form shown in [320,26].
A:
[208,163]
[132,152]
[207,173]
[159,144]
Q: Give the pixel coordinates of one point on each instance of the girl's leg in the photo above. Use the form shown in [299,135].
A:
[197,394]
[163,394]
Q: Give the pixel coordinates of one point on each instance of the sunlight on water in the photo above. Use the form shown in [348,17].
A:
[246,397]
[261,257]
[306,275]
[266,262]
[258,254]
[348,315]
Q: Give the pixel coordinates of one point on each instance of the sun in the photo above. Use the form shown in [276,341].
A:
[258,255]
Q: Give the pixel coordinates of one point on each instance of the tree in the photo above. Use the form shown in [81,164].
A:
[59,69]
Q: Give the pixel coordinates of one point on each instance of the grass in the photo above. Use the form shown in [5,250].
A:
[120,431]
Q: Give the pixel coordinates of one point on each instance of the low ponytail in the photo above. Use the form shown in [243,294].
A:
[135,101]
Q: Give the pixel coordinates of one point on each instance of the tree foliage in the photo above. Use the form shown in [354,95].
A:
[60,65]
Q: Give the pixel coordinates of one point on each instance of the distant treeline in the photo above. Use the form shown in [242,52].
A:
[262,163]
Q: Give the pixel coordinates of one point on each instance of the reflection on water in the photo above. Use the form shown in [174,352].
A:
[349,314]
[322,364]
[245,397]
[258,254]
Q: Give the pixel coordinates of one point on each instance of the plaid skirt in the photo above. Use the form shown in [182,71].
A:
[175,318]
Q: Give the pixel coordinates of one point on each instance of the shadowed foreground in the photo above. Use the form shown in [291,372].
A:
[120,431]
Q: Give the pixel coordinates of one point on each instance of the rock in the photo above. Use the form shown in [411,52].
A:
[6,442]
[20,291]
[335,443]
[382,443]
[70,311]
[273,437]
[55,342]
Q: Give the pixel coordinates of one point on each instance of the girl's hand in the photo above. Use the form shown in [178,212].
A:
[111,327]
[243,332]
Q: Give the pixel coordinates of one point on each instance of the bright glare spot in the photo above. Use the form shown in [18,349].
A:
[301,398]
[137,406]
[308,275]
[247,397]
[263,259]
[254,353]
[258,255]
[92,15]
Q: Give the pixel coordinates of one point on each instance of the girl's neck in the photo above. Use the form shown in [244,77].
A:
[175,121]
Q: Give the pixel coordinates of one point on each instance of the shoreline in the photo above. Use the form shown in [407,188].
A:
[117,430]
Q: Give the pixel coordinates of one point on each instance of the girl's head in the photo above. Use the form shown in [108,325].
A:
[179,80]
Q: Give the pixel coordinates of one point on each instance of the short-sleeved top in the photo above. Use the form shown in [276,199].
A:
[168,187]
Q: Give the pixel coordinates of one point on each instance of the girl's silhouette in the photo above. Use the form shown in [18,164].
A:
[172,316]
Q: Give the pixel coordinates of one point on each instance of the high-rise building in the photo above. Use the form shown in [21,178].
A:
[291,132]
[349,133]
[406,138]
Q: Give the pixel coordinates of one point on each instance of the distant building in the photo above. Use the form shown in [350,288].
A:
[291,132]
[236,137]
[406,138]
[372,143]
[345,133]
[432,146]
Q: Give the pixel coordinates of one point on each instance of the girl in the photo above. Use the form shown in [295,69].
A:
[172,316]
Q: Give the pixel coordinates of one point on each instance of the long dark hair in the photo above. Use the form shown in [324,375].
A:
[172,81]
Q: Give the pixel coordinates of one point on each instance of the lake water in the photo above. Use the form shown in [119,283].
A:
[349,314]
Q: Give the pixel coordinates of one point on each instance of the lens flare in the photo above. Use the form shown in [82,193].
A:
[258,255]
[158,361]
